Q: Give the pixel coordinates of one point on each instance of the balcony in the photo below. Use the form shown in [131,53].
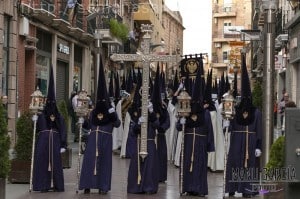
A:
[44,11]
[222,37]
[228,10]
[102,20]
[145,14]
[130,46]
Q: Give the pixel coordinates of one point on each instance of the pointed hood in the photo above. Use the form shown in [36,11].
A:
[197,94]
[175,82]
[227,84]
[150,85]
[201,68]
[139,77]
[221,90]
[135,108]
[246,90]
[163,83]
[51,87]
[208,92]
[246,97]
[129,83]
[133,75]
[123,86]
[234,92]
[50,106]
[111,86]
[215,89]
[156,93]
[102,101]
[101,89]
[117,88]
[188,84]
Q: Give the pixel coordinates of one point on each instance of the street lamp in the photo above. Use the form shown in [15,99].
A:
[81,110]
[228,111]
[36,105]
[184,110]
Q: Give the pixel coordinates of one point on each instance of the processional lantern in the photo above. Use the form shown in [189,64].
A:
[184,100]
[37,101]
[36,105]
[228,108]
[82,105]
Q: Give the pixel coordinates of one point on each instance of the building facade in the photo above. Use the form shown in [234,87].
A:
[229,18]
[173,38]
[45,34]
[9,62]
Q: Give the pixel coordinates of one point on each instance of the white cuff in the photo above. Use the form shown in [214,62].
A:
[62,150]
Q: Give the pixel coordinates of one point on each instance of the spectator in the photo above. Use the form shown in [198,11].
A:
[289,104]
[281,106]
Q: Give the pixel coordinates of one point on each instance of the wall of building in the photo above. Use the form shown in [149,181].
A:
[9,9]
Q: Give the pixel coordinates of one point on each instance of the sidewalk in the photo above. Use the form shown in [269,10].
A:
[168,190]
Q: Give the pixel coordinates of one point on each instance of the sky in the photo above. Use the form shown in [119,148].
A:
[197,17]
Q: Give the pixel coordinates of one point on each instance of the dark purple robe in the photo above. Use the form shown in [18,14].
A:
[130,145]
[198,140]
[237,154]
[148,168]
[162,147]
[47,161]
[97,161]
[131,139]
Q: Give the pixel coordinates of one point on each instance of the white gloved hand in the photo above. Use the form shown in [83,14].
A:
[150,107]
[141,120]
[226,123]
[257,152]
[62,150]
[182,120]
[113,104]
[181,85]
[111,110]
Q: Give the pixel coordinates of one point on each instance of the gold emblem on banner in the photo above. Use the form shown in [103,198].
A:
[191,66]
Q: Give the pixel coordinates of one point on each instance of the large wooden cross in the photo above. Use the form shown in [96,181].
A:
[146,58]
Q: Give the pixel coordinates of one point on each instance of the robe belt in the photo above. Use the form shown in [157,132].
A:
[244,132]
[195,134]
[96,144]
[149,139]
[48,131]
[247,144]
[100,131]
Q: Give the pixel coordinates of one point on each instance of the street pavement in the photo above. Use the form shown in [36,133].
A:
[167,190]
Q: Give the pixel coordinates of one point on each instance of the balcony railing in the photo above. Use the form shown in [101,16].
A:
[78,12]
[227,8]
[224,36]
[104,13]
[47,5]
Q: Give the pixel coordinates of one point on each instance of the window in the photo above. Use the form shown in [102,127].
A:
[227,5]
[225,56]
[42,72]
[5,61]
[227,24]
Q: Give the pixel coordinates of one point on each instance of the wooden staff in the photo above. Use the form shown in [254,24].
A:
[225,159]
[139,164]
[181,159]
[97,151]
[80,121]
[34,118]
[192,156]
[247,151]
